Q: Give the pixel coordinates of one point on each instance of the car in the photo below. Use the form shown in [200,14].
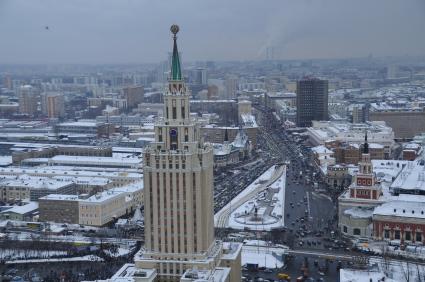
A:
[268,270]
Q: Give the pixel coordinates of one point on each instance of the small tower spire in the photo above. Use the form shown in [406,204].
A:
[366,145]
[226,135]
[176,74]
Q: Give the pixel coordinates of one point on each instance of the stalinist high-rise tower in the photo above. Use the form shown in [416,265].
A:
[178,189]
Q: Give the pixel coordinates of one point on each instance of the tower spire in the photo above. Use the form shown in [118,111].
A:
[176,74]
[366,145]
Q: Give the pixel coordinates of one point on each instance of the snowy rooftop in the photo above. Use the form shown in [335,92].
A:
[60,197]
[403,208]
[128,272]
[84,180]
[129,188]
[351,275]
[321,150]
[100,160]
[31,206]
[5,160]
[218,274]
[71,171]
[411,178]
[359,212]
[249,120]
[79,123]
[222,149]
[378,131]
[231,250]
[387,170]
[35,182]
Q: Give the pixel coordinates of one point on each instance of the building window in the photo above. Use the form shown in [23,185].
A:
[356,231]
[397,234]
[345,229]
[174,109]
[408,236]
[386,234]
[418,237]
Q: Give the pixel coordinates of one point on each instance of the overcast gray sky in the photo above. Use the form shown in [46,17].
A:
[137,31]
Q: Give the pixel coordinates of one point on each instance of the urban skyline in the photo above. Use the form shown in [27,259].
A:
[226,159]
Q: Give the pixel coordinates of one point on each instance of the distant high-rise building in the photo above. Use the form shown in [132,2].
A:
[231,85]
[7,82]
[199,76]
[133,95]
[53,104]
[270,53]
[27,100]
[312,101]
[360,113]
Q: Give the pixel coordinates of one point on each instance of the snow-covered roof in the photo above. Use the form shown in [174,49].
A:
[411,178]
[249,120]
[402,208]
[359,212]
[376,146]
[31,206]
[35,182]
[99,160]
[79,123]
[60,197]
[5,160]
[240,140]
[71,171]
[321,150]
[352,275]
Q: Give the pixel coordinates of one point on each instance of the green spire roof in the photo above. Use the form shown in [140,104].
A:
[176,73]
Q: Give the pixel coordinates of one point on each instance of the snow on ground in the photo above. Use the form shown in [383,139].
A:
[351,275]
[392,270]
[83,258]
[264,256]
[270,215]
[264,177]
[378,247]
[120,252]
[13,254]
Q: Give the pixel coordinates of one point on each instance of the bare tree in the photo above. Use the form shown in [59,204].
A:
[406,271]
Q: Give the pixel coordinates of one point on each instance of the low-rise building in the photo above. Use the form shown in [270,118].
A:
[97,210]
[411,179]
[27,187]
[411,151]
[338,177]
[406,121]
[401,220]
[59,208]
[350,153]
[111,162]
[119,177]
[322,132]
[25,212]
